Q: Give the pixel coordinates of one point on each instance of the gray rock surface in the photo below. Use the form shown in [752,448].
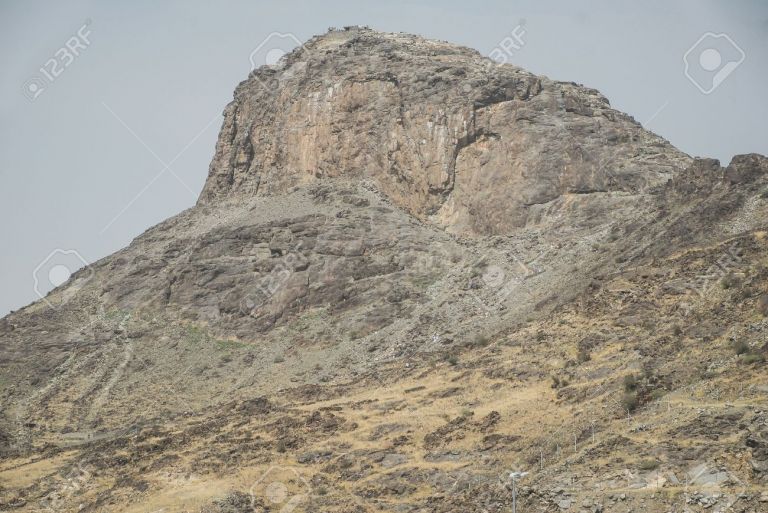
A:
[410,270]
[446,134]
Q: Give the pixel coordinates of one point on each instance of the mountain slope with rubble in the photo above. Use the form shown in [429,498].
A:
[411,271]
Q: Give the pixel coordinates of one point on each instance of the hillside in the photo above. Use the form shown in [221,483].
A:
[410,272]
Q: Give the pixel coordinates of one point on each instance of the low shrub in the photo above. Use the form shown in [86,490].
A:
[630,383]
[740,347]
[752,358]
[762,305]
[558,382]
[648,465]
[630,401]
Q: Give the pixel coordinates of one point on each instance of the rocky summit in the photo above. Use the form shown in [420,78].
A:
[415,281]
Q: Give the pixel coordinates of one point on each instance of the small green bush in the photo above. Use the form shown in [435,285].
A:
[762,305]
[630,401]
[648,465]
[729,281]
[740,347]
[630,383]
[752,358]
[558,382]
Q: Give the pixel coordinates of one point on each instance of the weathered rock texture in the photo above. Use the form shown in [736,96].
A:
[410,271]
[445,133]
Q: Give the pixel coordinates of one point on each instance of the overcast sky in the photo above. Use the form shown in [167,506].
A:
[86,132]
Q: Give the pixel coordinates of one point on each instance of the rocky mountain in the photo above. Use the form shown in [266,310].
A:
[410,273]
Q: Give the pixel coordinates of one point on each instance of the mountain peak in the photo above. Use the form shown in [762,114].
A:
[440,129]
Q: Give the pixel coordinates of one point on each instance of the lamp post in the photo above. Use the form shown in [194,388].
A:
[514,476]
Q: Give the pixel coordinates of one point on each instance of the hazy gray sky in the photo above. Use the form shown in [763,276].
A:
[80,165]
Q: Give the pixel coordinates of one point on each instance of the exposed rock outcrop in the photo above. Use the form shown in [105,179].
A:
[445,133]
[410,272]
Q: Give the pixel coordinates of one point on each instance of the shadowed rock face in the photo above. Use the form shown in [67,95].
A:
[448,135]
[409,272]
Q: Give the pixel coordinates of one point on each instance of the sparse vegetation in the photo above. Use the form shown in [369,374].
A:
[630,401]
[630,383]
[752,358]
[195,335]
[374,378]
[478,268]
[480,341]
[740,347]
[762,305]
[648,465]
[227,345]
[558,382]
[729,281]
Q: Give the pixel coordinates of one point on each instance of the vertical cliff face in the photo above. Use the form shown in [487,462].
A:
[448,135]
